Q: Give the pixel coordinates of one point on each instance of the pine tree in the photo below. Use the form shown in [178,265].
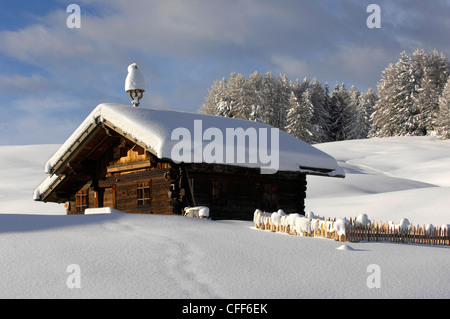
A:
[299,117]
[300,87]
[268,113]
[435,73]
[328,109]
[409,95]
[320,115]
[256,114]
[354,121]
[427,103]
[254,87]
[306,114]
[281,100]
[382,124]
[236,88]
[215,102]
[334,124]
[367,101]
[405,111]
[443,121]
[293,118]
[339,100]
[417,66]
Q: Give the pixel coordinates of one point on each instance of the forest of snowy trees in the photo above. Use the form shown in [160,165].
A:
[413,98]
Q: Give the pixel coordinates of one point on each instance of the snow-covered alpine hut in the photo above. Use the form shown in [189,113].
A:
[141,160]
[134,160]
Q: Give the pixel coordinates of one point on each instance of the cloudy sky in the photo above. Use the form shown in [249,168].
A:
[52,76]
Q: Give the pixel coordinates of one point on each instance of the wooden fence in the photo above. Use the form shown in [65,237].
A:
[374,232]
[379,232]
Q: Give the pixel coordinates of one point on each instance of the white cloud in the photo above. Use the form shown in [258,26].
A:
[183,46]
[360,60]
[16,83]
[290,66]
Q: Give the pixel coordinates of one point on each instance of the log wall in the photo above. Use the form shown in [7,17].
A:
[237,195]
[230,192]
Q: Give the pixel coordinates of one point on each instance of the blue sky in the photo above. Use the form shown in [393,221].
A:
[51,76]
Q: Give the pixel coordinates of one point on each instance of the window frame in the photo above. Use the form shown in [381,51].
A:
[81,201]
[144,194]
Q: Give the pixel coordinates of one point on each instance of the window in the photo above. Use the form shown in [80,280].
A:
[81,201]
[143,194]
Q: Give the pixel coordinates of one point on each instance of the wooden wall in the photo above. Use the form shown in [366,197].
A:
[120,171]
[229,192]
[121,192]
[237,195]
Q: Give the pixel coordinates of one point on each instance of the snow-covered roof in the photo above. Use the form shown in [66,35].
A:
[153,130]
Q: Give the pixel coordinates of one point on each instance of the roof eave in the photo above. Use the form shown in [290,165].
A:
[338,172]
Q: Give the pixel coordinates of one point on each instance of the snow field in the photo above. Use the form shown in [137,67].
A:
[136,256]
[388,179]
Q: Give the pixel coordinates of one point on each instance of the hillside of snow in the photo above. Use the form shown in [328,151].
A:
[148,256]
[388,179]
[21,171]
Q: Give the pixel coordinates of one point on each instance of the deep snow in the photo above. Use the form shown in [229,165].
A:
[147,256]
[388,179]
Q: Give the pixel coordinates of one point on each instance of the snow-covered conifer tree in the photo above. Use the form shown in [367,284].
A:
[299,117]
[254,88]
[320,115]
[434,76]
[216,101]
[366,104]
[269,114]
[405,111]
[328,107]
[354,120]
[293,118]
[237,95]
[382,124]
[339,100]
[282,94]
[443,121]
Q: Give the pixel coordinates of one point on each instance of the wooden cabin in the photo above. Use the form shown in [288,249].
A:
[120,157]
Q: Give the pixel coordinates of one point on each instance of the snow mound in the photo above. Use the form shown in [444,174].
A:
[404,224]
[362,220]
[198,212]
[345,247]
[341,226]
[302,225]
[103,210]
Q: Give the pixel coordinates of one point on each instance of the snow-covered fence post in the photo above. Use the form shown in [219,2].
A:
[438,236]
[447,236]
[425,235]
[422,235]
[414,235]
